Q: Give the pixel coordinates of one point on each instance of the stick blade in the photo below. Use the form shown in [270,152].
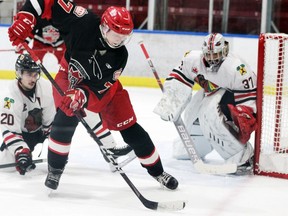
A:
[171,206]
[215,168]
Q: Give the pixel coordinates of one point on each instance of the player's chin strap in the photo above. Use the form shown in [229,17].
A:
[172,205]
[199,165]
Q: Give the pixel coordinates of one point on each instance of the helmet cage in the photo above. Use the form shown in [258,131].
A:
[215,49]
[25,63]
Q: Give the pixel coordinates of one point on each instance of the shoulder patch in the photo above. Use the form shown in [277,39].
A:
[80,11]
[8,102]
[241,68]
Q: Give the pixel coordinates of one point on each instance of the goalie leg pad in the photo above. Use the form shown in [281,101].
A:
[215,131]
[202,146]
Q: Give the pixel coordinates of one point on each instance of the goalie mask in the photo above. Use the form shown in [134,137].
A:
[215,49]
[25,63]
[116,26]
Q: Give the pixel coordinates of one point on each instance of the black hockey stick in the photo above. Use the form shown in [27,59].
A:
[199,165]
[173,205]
[14,164]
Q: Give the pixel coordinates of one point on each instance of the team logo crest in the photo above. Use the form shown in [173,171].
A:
[241,68]
[76,73]
[50,34]
[8,102]
[33,120]
[74,76]
[117,74]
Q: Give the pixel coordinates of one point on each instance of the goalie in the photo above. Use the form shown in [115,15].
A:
[221,115]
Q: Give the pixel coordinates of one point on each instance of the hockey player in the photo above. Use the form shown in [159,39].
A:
[221,115]
[27,111]
[45,38]
[95,58]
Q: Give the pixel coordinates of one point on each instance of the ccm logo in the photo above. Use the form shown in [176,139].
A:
[125,122]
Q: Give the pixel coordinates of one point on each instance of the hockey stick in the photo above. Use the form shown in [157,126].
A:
[14,164]
[44,49]
[199,165]
[172,205]
[131,157]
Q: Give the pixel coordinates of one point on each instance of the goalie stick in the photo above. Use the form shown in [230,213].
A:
[171,205]
[199,165]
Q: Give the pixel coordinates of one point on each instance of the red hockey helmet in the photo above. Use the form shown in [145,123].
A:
[118,19]
[116,26]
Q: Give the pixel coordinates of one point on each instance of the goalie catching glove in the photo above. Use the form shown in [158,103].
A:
[244,119]
[22,27]
[74,100]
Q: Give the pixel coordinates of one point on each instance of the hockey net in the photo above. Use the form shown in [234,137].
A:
[271,138]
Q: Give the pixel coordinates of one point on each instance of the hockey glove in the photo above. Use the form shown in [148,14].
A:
[23,25]
[243,118]
[74,100]
[24,161]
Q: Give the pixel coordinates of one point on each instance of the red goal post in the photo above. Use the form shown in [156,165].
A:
[271,137]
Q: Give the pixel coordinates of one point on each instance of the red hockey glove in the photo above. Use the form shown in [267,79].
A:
[24,161]
[73,100]
[23,25]
[245,121]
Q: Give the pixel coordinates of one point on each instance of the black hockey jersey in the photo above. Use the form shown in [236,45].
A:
[91,61]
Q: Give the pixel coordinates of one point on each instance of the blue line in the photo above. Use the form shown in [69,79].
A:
[5,25]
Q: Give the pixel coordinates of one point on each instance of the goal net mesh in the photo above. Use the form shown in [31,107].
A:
[271,144]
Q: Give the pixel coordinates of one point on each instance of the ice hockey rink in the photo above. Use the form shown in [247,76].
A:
[88,188]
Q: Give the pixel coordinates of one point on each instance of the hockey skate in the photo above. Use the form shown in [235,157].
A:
[167,180]
[246,168]
[53,177]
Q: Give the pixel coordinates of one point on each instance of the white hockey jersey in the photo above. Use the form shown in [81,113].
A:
[238,81]
[234,75]
[21,113]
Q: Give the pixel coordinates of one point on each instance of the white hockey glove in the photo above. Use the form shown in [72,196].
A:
[175,97]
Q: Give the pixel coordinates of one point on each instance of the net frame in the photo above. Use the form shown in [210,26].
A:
[271,137]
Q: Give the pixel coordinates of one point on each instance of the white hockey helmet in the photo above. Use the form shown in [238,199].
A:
[215,49]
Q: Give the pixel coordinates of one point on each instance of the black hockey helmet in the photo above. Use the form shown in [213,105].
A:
[25,63]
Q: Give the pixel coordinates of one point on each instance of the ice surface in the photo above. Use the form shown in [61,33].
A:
[88,188]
